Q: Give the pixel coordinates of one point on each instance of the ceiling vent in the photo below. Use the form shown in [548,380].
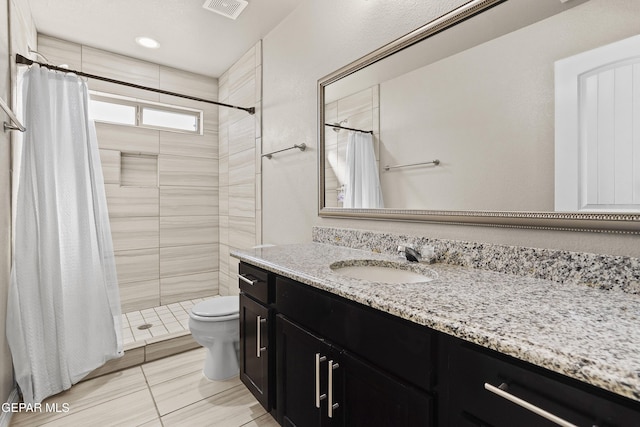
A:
[229,8]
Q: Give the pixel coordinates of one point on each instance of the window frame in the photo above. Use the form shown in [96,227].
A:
[141,104]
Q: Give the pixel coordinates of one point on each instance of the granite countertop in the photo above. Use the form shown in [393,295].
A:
[589,334]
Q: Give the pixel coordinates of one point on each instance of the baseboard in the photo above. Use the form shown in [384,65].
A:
[5,417]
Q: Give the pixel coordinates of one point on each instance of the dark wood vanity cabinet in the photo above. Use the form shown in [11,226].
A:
[485,388]
[325,375]
[257,352]
[322,360]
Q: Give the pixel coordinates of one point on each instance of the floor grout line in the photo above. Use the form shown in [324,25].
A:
[204,398]
[155,404]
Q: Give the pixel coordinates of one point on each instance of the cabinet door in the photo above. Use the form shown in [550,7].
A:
[372,398]
[254,349]
[301,368]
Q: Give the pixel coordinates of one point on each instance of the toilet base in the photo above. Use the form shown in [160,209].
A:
[221,362]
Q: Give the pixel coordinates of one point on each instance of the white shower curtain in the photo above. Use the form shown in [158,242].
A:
[63,312]
[362,182]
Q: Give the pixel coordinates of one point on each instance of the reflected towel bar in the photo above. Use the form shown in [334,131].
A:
[14,123]
[435,162]
[301,147]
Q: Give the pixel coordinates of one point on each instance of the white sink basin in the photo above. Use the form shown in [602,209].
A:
[384,271]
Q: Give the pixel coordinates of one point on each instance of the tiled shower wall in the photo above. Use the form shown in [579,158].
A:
[162,187]
[240,164]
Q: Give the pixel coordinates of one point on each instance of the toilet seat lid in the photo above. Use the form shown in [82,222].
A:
[216,307]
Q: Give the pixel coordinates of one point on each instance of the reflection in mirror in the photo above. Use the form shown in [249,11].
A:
[351,150]
[480,98]
[597,123]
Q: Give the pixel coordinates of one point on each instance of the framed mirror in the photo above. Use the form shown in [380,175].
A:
[517,113]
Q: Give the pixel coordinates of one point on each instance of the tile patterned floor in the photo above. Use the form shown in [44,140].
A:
[165,319]
[167,392]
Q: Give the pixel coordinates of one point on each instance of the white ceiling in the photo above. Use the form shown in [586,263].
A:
[191,38]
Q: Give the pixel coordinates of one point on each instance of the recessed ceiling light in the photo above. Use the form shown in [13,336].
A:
[147,42]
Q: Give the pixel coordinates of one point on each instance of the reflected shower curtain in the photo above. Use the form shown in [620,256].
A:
[362,182]
[63,311]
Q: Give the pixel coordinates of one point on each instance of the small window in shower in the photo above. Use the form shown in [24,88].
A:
[111,112]
[187,121]
[126,111]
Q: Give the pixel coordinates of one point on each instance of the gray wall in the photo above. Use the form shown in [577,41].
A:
[316,39]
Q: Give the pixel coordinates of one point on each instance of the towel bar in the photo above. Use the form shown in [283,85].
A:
[14,123]
[301,147]
[435,162]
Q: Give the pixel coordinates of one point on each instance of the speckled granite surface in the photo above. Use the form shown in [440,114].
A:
[586,333]
[595,270]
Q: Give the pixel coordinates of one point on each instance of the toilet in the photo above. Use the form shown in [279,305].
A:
[215,325]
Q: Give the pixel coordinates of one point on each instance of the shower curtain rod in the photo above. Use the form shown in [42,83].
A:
[26,61]
[344,127]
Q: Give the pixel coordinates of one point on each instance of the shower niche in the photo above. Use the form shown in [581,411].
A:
[138,170]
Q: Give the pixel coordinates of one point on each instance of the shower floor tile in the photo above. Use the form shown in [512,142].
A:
[164,320]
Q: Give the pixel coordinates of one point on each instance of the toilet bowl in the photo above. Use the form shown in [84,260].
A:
[214,324]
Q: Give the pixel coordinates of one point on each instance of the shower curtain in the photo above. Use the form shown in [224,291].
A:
[63,311]
[362,182]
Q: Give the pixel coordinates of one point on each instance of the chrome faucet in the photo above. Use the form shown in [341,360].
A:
[409,253]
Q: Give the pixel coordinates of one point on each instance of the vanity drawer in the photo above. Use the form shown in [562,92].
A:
[402,348]
[482,383]
[255,282]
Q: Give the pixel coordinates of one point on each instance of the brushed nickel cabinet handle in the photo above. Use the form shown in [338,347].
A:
[500,391]
[331,405]
[245,280]
[259,348]
[319,396]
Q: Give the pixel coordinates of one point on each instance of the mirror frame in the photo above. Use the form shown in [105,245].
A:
[572,221]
